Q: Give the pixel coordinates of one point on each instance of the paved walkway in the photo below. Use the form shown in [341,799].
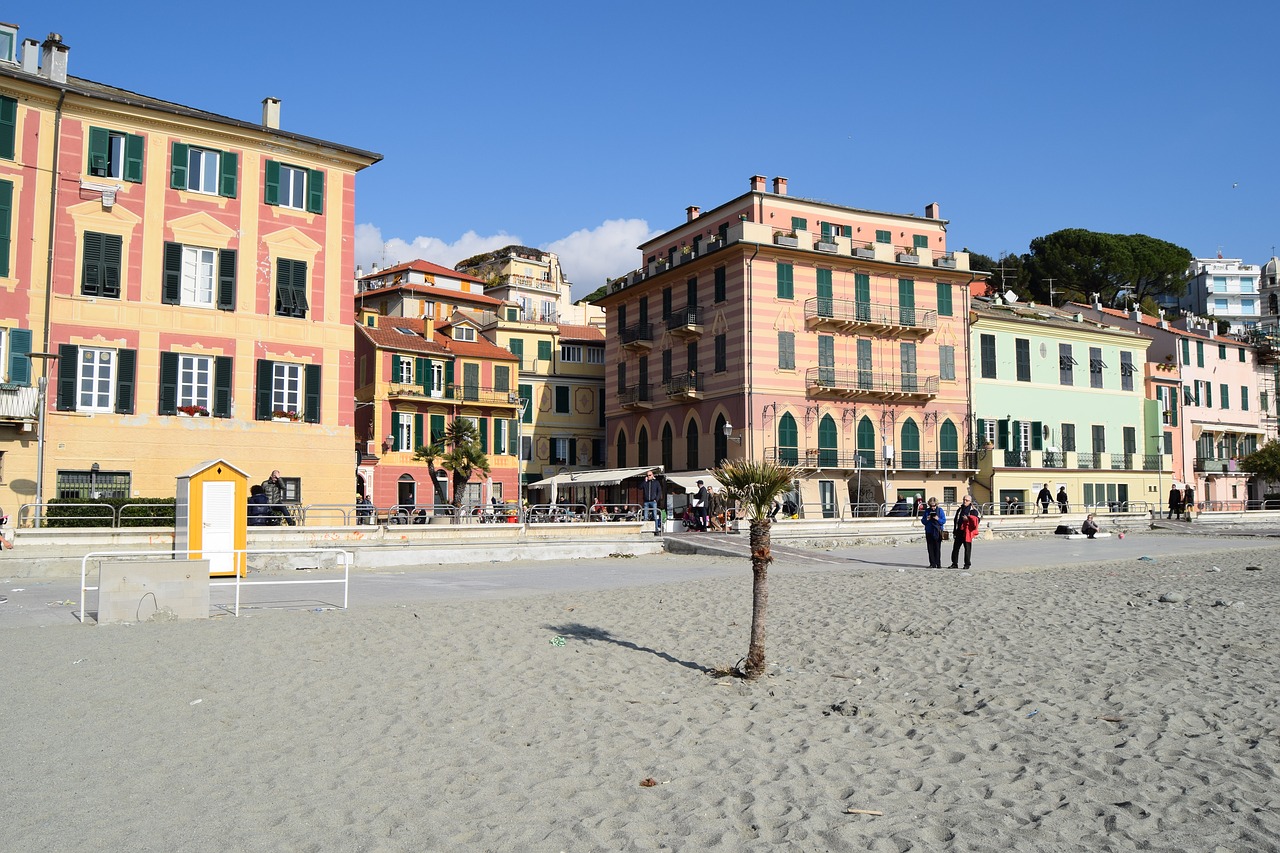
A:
[41,602]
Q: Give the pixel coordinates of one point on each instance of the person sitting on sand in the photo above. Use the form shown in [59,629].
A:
[1090,527]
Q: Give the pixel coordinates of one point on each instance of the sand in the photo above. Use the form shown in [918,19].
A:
[1058,709]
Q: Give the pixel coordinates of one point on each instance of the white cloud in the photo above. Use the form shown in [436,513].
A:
[588,256]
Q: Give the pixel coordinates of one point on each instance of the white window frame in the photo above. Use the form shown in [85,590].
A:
[199,277]
[4,353]
[560,451]
[204,166]
[404,434]
[195,380]
[115,155]
[595,355]
[989,431]
[464,333]
[1024,435]
[286,387]
[500,436]
[293,187]
[406,371]
[437,379]
[571,353]
[97,367]
[1219,284]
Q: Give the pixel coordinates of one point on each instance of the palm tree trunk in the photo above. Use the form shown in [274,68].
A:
[760,560]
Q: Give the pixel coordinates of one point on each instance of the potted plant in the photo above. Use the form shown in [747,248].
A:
[867,251]
[193,412]
[286,415]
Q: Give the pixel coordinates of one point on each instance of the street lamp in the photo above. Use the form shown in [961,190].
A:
[728,433]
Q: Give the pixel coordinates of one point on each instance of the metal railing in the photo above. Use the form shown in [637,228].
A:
[852,460]
[869,383]
[684,383]
[852,312]
[1088,460]
[690,315]
[634,395]
[238,582]
[639,333]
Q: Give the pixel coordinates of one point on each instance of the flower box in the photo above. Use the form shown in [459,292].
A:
[865,252]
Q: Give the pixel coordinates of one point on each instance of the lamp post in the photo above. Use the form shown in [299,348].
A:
[42,385]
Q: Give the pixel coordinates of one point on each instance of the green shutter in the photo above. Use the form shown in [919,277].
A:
[8,127]
[786,281]
[91,266]
[228,163]
[417,430]
[422,372]
[501,378]
[315,191]
[513,427]
[19,356]
[311,393]
[68,369]
[448,379]
[168,383]
[1002,434]
[526,394]
[1015,438]
[178,166]
[1037,435]
[299,282]
[395,367]
[944,299]
[134,146]
[544,350]
[227,279]
[263,402]
[395,430]
[437,429]
[126,374]
[222,378]
[271,193]
[484,434]
[981,439]
[112,251]
[6,225]
[99,148]
[171,285]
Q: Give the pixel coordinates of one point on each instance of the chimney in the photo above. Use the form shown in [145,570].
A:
[1137,315]
[757,183]
[53,57]
[30,56]
[1212,329]
[692,212]
[271,113]
[931,210]
[780,186]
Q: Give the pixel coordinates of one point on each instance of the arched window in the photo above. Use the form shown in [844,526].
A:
[620,446]
[949,446]
[668,449]
[909,455]
[866,443]
[642,447]
[788,441]
[828,443]
[691,445]
[721,441]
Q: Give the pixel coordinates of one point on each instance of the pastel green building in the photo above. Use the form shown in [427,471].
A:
[1059,400]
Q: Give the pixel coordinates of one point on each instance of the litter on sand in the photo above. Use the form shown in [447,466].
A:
[864,811]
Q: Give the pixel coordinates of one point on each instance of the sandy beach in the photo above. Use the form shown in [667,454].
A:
[1063,708]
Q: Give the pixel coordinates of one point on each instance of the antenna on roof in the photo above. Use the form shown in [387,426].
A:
[1052,292]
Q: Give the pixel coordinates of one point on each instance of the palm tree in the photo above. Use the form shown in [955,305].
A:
[459,453]
[755,486]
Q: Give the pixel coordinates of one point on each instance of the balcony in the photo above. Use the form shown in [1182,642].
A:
[1017,459]
[456,393]
[1152,462]
[635,399]
[832,383]
[1054,459]
[848,315]
[686,322]
[638,338]
[19,404]
[1090,461]
[1211,465]
[686,386]
[836,460]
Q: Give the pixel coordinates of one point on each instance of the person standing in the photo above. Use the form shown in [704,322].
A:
[966,528]
[702,501]
[934,520]
[1062,499]
[1188,501]
[651,491]
[1044,498]
[1175,502]
[274,489]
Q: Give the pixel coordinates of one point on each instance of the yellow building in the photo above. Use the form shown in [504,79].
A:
[180,280]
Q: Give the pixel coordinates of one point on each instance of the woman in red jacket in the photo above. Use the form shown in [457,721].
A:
[967,521]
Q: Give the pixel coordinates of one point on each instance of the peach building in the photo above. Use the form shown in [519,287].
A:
[177,282]
[775,327]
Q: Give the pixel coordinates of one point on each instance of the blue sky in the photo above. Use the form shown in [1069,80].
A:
[586,127]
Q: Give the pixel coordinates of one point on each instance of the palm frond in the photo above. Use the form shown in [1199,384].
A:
[755,485]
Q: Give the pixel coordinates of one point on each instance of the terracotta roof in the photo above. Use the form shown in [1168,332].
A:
[1154,323]
[386,336]
[587,334]
[479,348]
[423,267]
[444,294]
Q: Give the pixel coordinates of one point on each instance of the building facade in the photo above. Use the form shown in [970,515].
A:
[773,327]
[1061,400]
[175,280]
[1225,289]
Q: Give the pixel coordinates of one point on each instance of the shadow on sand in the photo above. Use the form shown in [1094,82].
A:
[586,632]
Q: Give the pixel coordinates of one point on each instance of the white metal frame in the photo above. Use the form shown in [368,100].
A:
[238,582]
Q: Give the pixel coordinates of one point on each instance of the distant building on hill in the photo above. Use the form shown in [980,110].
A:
[1225,289]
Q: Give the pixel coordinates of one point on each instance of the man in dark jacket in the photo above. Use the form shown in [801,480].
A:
[1044,499]
[651,491]
[274,489]
[702,500]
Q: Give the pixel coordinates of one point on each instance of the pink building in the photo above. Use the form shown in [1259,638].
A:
[781,328]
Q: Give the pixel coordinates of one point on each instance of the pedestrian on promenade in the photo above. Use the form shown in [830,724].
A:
[1044,498]
[967,521]
[1175,502]
[652,494]
[934,520]
[1062,499]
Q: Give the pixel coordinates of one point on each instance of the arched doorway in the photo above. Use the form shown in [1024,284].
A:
[668,448]
[910,454]
[721,441]
[828,443]
[642,446]
[866,443]
[691,445]
[949,446]
[788,441]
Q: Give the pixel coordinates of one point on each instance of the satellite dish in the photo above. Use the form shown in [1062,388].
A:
[1010,297]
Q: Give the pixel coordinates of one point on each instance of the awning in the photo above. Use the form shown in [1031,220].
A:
[689,480]
[607,477]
